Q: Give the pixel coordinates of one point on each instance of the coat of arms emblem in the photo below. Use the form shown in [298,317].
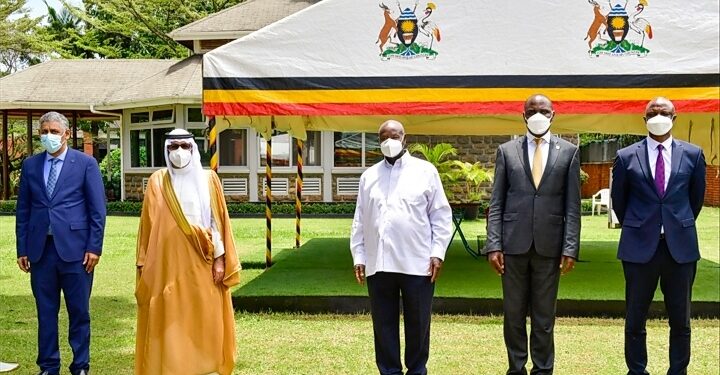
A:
[399,37]
[614,29]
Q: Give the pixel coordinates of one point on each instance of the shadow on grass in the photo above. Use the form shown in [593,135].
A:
[318,277]
[113,334]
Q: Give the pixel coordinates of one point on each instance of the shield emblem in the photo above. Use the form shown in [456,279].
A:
[617,23]
[407,27]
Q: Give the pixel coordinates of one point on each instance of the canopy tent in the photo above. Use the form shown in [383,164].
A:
[465,67]
[325,68]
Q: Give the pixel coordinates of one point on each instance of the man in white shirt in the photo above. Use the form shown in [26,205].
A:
[658,189]
[401,230]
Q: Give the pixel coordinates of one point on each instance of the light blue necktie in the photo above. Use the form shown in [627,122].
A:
[52,177]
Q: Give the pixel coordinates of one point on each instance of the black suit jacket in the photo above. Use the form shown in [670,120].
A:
[520,214]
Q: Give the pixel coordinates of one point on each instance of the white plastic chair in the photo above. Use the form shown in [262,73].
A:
[600,199]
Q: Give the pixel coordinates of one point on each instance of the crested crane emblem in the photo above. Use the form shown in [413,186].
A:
[407,36]
[617,33]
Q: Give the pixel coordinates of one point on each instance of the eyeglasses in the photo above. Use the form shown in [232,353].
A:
[175,146]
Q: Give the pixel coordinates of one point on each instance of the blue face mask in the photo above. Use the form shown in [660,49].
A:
[51,142]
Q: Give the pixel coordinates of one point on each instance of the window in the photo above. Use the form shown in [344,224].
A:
[356,149]
[232,146]
[199,136]
[139,148]
[194,114]
[281,149]
[284,150]
[147,137]
[311,150]
[163,115]
[158,146]
[139,117]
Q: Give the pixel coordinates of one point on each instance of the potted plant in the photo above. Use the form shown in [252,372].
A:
[469,177]
[462,181]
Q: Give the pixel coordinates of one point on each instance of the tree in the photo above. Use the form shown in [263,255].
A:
[138,28]
[20,44]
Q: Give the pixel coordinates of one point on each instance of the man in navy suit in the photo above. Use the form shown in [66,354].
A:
[60,221]
[657,192]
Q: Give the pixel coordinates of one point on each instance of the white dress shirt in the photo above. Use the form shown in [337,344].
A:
[187,197]
[544,148]
[652,151]
[402,218]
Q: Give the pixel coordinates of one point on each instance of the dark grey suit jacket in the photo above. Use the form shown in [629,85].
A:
[549,215]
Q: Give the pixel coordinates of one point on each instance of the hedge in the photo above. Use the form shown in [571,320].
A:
[133,208]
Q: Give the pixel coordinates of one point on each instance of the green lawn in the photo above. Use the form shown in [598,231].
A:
[331,344]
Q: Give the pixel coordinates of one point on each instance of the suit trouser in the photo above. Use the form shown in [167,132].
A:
[48,277]
[385,289]
[676,281]
[530,282]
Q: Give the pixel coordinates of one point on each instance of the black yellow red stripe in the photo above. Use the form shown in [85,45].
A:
[448,108]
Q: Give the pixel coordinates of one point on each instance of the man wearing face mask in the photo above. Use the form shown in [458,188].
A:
[533,233]
[658,189]
[400,232]
[60,221]
[186,264]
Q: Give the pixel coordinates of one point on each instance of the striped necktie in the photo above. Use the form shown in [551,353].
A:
[52,176]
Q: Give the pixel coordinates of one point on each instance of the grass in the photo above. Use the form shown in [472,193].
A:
[328,344]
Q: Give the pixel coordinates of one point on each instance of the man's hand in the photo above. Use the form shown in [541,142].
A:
[435,266]
[566,264]
[24,264]
[91,260]
[497,261]
[218,269]
[360,273]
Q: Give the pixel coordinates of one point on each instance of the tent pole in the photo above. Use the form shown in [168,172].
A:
[298,192]
[268,203]
[212,138]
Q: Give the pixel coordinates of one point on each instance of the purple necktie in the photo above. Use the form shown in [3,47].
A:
[660,172]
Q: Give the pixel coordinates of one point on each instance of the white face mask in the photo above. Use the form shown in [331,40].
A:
[180,158]
[391,147]
[659,125]
[538,124]
[51,142]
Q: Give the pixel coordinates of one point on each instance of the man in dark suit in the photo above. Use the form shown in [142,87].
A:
[657,192]
[533,232]
[60,221]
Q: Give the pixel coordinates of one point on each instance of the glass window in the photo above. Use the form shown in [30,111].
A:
[372,149]
[158,143]
[232,147]
[162,115]
[139,117]
[199,135]
[195,115]
[281,151]
[140,148]
[348,149]
[311,149]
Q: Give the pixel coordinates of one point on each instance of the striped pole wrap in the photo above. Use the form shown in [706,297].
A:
[212,137]
[298,192]
[268,204]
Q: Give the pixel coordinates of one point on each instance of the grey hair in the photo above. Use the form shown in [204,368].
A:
[55,117]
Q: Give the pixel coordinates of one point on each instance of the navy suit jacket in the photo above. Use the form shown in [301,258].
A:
[642,211]
[75,211]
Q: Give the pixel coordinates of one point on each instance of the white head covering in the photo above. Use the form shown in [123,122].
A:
[191,182]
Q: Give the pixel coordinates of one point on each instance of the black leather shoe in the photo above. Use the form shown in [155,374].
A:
[46,373]
[82,372]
